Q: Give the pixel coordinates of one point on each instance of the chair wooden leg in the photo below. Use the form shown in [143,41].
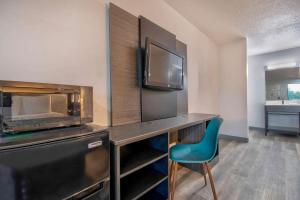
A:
[171,171]
[204,174]
[174,174]
[171,177]
[211,182]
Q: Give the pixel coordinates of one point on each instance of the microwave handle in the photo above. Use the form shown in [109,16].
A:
[31,90]
[86,103]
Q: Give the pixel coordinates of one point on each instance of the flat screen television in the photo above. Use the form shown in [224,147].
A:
[163,67]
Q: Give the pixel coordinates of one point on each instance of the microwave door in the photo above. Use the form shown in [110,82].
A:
[29,111]
[54,170]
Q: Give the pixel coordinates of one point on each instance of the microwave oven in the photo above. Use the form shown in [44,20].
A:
[26,106]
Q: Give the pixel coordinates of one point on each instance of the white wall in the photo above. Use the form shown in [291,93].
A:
[256,84]
[66,41]
[57,41]
[233,88]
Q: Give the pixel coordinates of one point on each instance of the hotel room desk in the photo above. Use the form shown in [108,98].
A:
[140,154]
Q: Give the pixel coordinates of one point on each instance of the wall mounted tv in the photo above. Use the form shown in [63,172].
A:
[163,67]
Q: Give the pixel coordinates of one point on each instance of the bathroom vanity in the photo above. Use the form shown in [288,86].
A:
[289,110]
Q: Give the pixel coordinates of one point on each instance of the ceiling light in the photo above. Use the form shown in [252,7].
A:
[282,66]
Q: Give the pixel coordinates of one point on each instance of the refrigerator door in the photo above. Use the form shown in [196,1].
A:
[54,170]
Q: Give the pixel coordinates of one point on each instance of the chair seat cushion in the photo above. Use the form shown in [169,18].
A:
[190,153]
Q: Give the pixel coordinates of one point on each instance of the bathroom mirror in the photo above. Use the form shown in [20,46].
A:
[283,85]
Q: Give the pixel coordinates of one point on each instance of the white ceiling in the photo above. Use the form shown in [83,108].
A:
[269,25]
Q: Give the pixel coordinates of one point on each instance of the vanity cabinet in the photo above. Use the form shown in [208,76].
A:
[283,110]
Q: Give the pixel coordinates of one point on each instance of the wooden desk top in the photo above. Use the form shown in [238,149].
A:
[125,134]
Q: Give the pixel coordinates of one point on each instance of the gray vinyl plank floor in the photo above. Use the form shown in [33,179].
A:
[265,168]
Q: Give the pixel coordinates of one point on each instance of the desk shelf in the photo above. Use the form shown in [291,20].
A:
[141,166]
[139,183]
[139,159]
[140,154]
[153,195]
[157,193]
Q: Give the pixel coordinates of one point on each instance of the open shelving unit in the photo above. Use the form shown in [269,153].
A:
[139,183]
[142,170]
[137,159]
[140,155]
[157,193]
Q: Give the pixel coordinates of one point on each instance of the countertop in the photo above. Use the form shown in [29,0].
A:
[284,108]
[124,134]
[282,105]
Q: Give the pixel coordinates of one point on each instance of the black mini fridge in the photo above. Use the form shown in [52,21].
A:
[71,163]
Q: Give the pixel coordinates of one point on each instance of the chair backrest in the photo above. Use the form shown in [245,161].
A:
[210,139]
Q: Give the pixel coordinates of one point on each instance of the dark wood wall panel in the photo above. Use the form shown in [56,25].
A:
[182,96]
[125,92]
[159,34]
[129,102]
[157,104]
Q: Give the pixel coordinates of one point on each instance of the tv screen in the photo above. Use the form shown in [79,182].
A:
[163,68]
